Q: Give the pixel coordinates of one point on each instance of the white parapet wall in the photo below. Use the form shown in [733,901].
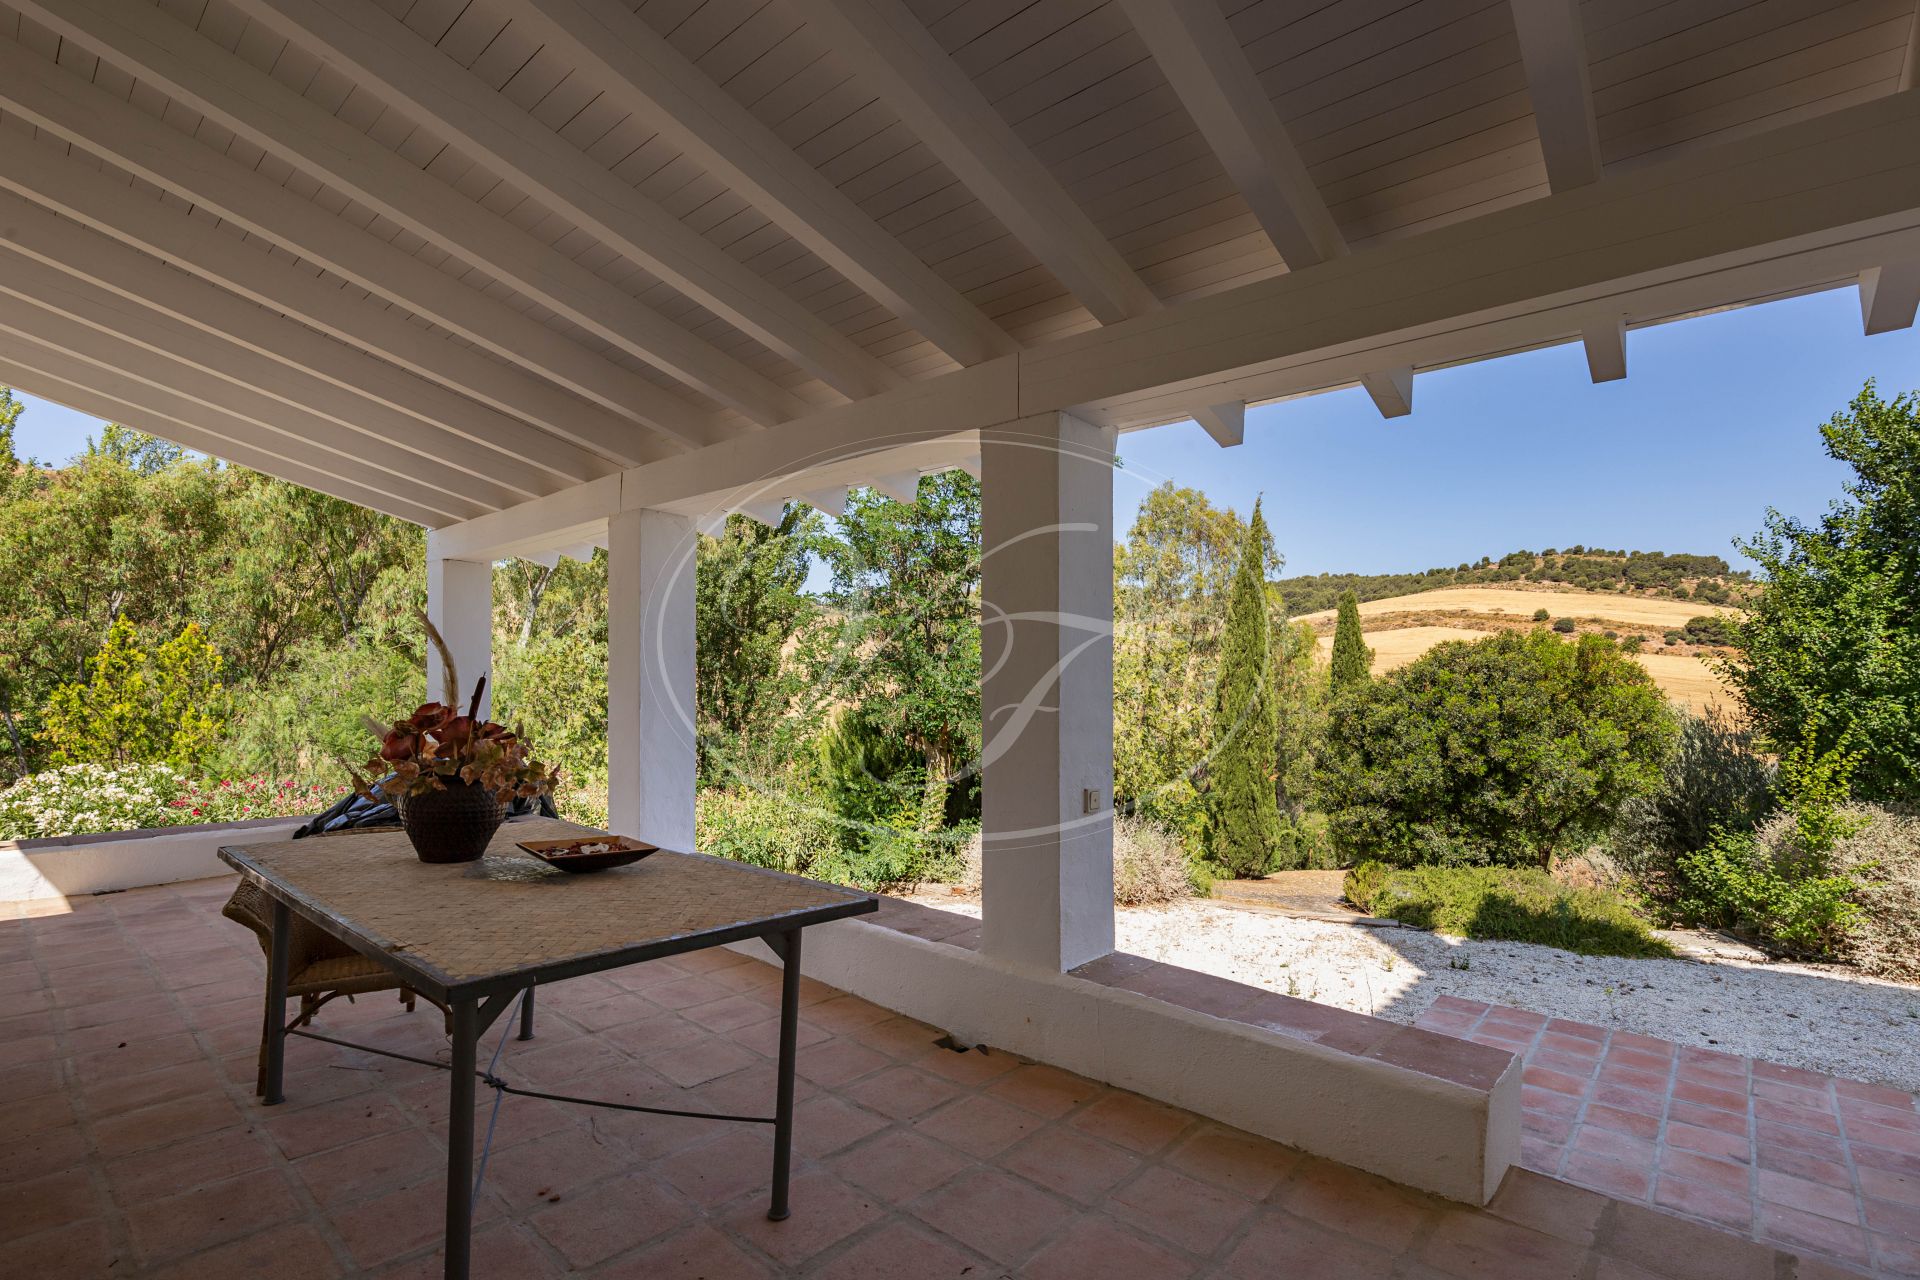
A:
[39,873]
[1433,1134]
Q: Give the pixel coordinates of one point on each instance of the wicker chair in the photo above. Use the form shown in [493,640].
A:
[319,966]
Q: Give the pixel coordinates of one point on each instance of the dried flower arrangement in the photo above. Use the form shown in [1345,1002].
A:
[438,745]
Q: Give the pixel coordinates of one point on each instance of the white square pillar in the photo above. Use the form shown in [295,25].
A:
[460,603]
[651,746]
[1046,696]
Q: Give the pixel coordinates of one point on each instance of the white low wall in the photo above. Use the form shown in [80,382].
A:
[1416,1129]
[39,871]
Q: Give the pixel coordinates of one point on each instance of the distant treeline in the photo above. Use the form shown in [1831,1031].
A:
[1708,579]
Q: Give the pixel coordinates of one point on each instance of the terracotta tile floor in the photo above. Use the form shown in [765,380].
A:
[132,1145]
[1805,1160]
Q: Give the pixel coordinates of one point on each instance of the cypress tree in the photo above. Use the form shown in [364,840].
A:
[1243,818]
[1352,660]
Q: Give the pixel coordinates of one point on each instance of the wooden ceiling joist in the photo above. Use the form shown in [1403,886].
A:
[644,73]
[1203,61]
[77,319]
[60,102]
[193,70]
[101,388]
[885,45]
[572,435]
[377,394]
[359,35]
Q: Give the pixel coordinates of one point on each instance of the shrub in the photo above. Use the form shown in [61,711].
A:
[1713,780]
[1541,615]
[1709,629]
[1149,866]
[1673,637]
[1779,884]
[1632,644]
[1757,885]
[1506,750]
[764,829]
[1883,856]
[1514,904]
[1563,625]
[1362,885]
[80,799]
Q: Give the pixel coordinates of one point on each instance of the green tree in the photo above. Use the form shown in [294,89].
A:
[905,639]
[1172,576]
[1352,663]
[135,708]
[1509,750]
[749,603]
[1830,646]
[1243,817]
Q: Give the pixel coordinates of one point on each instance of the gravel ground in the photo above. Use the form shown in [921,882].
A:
[1817,1017]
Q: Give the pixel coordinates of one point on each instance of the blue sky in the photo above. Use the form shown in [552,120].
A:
[1715,421]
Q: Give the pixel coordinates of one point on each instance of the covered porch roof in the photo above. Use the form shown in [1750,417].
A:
[454,259]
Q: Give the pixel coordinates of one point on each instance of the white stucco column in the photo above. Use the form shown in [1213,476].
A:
[1046,639]
[650,709]
[460,603]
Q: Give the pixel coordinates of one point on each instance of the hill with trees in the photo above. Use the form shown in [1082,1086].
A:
[1659,574]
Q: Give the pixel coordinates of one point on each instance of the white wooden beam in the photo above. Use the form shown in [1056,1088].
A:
[60,102]
[1553,48]
[1606,343]
[573,435]
[425,418]
[892,53]
[641,71]
[832,500]
[1803,206]
[1889,296]
[378,49]
[249,416]
[1203,61]
[1226,423]
[766,511]
[106,393]
[199,73]
[1910,65]
[67,310]
[901,486]
[1391,389]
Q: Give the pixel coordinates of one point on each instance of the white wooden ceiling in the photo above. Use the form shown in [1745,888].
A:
[442,256]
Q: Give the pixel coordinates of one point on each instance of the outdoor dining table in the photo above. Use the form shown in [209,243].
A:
[476,937]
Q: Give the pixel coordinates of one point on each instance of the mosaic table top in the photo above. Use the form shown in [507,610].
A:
[477,928]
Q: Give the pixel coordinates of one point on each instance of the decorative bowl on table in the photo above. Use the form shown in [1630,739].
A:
[589,853]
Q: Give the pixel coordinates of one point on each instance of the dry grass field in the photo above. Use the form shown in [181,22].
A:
[1633,611]
[1682,677]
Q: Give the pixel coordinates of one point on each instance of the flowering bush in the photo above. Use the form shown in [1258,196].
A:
[239,799]
[80,798]
[84,799]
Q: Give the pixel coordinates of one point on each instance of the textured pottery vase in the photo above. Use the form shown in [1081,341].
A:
[453,824]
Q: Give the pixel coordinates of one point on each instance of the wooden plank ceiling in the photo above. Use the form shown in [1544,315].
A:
[443,256]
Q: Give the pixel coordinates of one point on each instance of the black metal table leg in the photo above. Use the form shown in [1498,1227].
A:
[783,1107]
[526,1014]
[276,1011]
[466,1031]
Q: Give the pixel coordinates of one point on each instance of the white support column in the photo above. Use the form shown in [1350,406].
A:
[1046,521]
[460,603]
[650,716]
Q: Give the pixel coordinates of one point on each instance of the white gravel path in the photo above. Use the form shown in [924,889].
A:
[1817,1017]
